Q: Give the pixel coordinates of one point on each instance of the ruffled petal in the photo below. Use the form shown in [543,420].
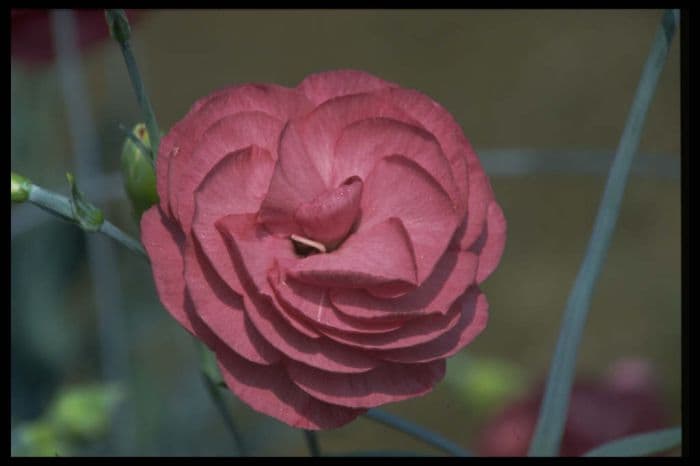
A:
[321,353]
[321,87]
[435,119]
[379,256]
[228,135]
[295,181]
[222,310]
[491,243]
[329,218]
[164,243]
[235,185]
[480,195]
[322,127]
[386,384]
[268,390]
[313,304]
[455,272]
[363,143]
[254,253]
[473,319]
[398,187]
[176,147]
[413,332]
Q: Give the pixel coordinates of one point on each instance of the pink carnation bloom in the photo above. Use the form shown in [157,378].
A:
[327,242]
[627,402]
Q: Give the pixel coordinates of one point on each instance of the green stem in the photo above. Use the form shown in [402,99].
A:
[553,412]
[417,431]
[312,443]
[59,205]
[207,366]
[117,21]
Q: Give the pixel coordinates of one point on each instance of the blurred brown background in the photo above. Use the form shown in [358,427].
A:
[535,80]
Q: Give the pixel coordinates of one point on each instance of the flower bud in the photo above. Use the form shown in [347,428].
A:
[118,24]
[20,187]
[137,170]
[89,217]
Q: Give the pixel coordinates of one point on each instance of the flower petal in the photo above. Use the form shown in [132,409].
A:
[491,243]
[295,181]
[480,195]
[398,187]
[363,143]
[222,310]
[313,304]
[164,242]
[413,332]
[455,272]
[386,384]
[379,256]
[235,185]
[322,127]
[473,318]
[435,119]
[176,147]
[329,218]
[321,353]
[230,134]
[323,86]
[268,390]
[254,253]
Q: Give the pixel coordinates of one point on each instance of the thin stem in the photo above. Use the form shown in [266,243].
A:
[101,255]
[118,16]
[60,206]
[416,431]
[206,366]
[312,443]
[553,412]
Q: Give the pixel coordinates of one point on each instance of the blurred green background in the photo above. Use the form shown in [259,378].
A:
[520,83]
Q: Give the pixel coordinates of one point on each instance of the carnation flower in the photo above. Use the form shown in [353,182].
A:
[327,242]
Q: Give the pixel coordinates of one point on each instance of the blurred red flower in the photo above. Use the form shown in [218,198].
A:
[626,402]
[31,39]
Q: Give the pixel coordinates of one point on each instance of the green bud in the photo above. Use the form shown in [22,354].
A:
[118,25]
[20,187]
[89,217]
[137,170]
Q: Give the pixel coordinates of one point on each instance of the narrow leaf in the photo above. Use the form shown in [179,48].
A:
[641,444]
[553,412]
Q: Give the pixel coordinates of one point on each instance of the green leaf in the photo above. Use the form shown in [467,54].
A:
[553,411]
[89,217]
[641,444]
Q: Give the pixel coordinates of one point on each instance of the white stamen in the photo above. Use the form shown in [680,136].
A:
[308,242]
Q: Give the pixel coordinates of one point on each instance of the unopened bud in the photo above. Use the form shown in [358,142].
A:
[137,170]
[118,25]
[20,187]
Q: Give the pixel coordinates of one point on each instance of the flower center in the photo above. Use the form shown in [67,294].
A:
[327,220]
